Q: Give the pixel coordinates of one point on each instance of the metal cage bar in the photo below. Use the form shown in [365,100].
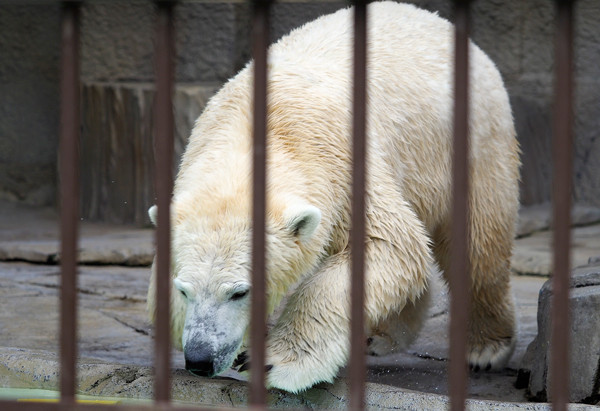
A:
[69,196]
[561,196]
[459,279]
[258,327]
[164,46]
[357,366]
[459,264]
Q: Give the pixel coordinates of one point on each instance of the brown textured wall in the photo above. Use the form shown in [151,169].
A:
[212,41]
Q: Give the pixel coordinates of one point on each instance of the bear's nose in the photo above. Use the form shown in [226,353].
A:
[199,362]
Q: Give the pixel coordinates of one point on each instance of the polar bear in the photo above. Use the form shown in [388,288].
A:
[308,193]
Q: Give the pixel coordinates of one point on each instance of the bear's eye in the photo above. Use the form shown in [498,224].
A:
[239,295]
[183,294]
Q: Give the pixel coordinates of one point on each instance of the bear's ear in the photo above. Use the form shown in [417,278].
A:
[152,213]
[303,221]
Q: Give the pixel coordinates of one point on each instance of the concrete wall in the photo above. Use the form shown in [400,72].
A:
[213,44]
[29,54]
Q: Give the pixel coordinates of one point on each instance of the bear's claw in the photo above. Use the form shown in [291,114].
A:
[240,359]
[243,362]
[491,357]
[477,368]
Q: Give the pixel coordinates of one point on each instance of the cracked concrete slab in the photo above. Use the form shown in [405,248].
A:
[533,255]
[111,315]
[113,330]
[32,234]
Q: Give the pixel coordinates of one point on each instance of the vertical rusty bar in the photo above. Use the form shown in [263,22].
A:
[561,193]
[163,132]
[357,366]
[258,328]
[459,264]
[69,196]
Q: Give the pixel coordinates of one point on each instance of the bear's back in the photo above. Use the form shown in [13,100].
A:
[410,66]
[410,99]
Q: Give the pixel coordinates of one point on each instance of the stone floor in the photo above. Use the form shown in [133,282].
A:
[115,339]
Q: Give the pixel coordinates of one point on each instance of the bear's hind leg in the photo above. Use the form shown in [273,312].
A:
[492,323]
[399,329]
[491,330]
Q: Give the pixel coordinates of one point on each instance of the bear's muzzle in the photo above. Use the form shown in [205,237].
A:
[199,361]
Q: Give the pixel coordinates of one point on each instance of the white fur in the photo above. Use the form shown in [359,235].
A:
[153,214]
[309,158]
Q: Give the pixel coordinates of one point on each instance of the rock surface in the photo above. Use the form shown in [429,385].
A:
[584,303]
[532,253]
[39,370]
[539,217]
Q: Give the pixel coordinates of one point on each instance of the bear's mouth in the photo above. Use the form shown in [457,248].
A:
[200,369]
[202,361]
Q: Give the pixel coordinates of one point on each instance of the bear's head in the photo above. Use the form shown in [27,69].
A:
[211,260]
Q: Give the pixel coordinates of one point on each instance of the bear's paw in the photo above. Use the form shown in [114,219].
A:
[380,345]
[491,357]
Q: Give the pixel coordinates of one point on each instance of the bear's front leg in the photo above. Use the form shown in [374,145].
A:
[309,343]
